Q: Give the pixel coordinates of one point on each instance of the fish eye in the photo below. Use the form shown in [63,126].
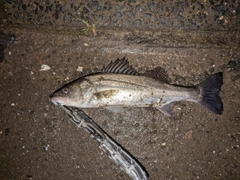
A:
[65,90]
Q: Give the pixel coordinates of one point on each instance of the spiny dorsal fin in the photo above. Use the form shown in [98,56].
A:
[120,66]
[158,73]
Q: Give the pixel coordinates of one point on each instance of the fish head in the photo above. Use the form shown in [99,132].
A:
[69,95]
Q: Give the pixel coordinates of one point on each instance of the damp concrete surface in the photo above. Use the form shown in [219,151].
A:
[37,140]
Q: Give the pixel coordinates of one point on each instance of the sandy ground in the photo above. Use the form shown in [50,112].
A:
[39,142]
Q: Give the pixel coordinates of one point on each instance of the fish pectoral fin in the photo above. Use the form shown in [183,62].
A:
[115,109]
[166,109]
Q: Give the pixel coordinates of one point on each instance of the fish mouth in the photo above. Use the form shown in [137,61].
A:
[56,100]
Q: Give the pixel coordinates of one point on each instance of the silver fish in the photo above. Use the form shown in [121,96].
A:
[119,85]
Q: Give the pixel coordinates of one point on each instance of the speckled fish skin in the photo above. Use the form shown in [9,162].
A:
[123,90]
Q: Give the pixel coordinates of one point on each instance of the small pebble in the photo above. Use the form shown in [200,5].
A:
[44,67]
[189,134]
[221,17]
[69,59]
[211,69]
[79,69]
[7,131]
[231,65]
[234,165]
[46,108]
[46,147]
[163,144]
[179,79]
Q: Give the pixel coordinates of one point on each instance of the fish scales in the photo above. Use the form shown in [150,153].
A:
[138,91]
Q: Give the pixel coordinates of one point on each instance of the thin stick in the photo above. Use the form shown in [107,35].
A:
[115,151]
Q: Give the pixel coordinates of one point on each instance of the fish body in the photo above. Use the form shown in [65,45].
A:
[115,88]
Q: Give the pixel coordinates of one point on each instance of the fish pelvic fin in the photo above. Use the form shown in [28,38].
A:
[209,91]
[166,109]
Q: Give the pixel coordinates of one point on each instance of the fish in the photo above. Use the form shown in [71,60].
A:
[119,85]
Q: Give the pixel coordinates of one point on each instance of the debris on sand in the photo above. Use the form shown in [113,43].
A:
[44,67]
[189,134]
[79,69]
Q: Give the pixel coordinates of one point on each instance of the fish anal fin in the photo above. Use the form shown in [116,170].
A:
[166,109]
[120,66]
[158,73]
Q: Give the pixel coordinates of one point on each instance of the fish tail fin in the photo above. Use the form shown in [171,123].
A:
[209,91]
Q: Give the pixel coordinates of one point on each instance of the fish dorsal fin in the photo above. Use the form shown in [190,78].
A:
[158,73]
[120,66]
